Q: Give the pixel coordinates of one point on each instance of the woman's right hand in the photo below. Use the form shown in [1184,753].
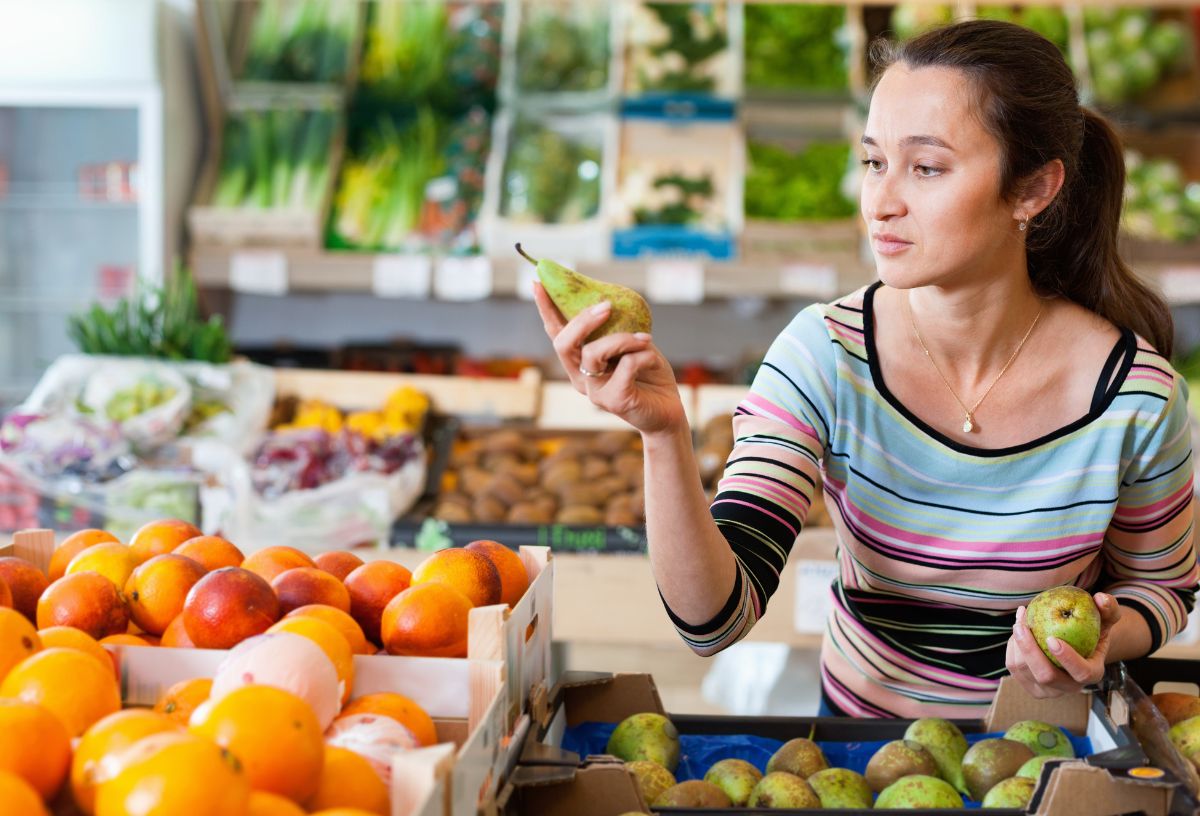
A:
[629,378]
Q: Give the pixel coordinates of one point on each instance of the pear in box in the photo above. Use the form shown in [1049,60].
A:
[1042,738]
[736,777]
[918,791]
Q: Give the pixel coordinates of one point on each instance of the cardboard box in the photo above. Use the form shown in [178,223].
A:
[481,705]
[549,784]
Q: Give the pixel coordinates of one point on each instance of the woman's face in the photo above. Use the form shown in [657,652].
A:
[931,190]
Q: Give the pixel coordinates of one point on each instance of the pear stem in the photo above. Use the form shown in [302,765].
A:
[525,256]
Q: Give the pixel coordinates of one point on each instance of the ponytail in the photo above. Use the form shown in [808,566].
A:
[1028,101]
[1076,255]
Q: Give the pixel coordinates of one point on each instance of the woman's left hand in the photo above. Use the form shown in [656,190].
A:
[1028,663]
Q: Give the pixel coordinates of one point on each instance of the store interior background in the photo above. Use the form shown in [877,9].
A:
[154,42]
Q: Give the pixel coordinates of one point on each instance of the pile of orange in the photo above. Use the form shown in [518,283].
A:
[173,586]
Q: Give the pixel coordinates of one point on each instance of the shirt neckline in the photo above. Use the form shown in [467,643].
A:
[1127,341]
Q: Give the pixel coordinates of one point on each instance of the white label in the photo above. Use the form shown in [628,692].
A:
[402,276]
[808,279]
[675,281]
[1180,284]
[812,594]
[259,272]
[468,278]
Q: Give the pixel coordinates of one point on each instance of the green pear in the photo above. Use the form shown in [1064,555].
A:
[990,761]
[694,794]
[736,777]
[779,790]
[801,757]
[646,736]
[841,788]
[1067,613]
[573,292]
[652,779]
[918,791]
[946,743]
[899,758]
[1186,737]
[1033,768]
[1014,792]
[1042,738]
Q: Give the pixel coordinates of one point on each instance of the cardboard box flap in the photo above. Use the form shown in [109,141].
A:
[539,753]
[599,697]
[1012,704]
[1076,787]
[600,788]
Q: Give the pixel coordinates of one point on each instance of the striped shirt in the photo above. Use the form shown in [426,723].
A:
[939,542]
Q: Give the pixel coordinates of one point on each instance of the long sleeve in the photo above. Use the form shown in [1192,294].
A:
[1149,550]
[781,429]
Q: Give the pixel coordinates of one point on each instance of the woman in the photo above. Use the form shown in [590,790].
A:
[995,417]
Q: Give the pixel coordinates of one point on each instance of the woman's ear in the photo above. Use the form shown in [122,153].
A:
[1039,189]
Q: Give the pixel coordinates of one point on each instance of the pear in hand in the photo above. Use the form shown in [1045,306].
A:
[572,293]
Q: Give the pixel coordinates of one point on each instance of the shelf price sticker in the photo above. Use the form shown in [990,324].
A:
[813,579]
[259,272]
[402,276]
[463,278]
[675,281]
[808,280]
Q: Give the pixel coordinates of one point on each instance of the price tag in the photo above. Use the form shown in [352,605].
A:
[675,281]
[259,272]
[467,278]
[808,280]
[1180,284]
[402,276]
[812,594]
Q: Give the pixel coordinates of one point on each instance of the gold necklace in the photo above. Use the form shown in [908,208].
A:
[969,422]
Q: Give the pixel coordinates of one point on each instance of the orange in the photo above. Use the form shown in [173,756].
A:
[111,559]
[72,546]
[471,573]
[332,643]
[34,745]
[174,773]
[25,582]
[99,755]
[340,621]
[68,637]
[270,804]
[303,586]
[76,687]
[6,597]
[176,636]
[399,708]
[85,600]
[160,537]
[427,620]
[210,552]
[227,606]
[19,798]
[180,700]
[271,561]
[349,781]
[125,639]
[157,589]
[274,733]
[18,639]
[372,586]
[338,563]
[514,578]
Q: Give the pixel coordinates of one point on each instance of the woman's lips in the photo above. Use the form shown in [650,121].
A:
[887,244]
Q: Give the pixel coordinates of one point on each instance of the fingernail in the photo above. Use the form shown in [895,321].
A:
[601,308]
[641,336]
[1054,643]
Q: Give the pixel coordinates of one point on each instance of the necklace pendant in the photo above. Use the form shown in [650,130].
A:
[968,425]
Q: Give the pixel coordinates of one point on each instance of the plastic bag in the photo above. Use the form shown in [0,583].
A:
[148,401]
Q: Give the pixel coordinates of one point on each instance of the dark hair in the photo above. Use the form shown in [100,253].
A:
[1028,101]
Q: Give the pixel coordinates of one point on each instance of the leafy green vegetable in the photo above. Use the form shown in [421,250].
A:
[563,48]
[300,40]
[550,177]
[689,197]
[796,47]
[161,322]
[1131,50]
[275,159]
[695,33]
[1160,204]
[788,186]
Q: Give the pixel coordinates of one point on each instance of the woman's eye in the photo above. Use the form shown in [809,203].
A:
[874,165]
[925,171]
